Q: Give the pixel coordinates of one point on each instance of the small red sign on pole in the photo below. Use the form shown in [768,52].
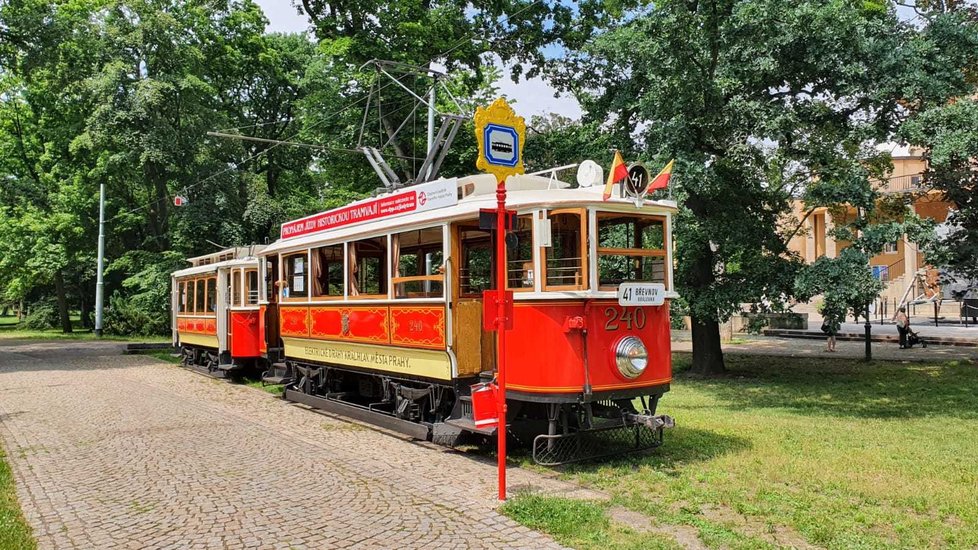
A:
[180,200]
[490,308]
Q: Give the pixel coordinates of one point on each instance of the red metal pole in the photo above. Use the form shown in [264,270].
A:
[501,335]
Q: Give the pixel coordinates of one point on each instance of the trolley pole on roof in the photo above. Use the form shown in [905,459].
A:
[431,129]
[500,134]
[100,283]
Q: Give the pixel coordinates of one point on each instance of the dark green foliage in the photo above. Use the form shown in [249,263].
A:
[126,316]
[42,315]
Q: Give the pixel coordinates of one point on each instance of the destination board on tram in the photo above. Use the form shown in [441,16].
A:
[419,198]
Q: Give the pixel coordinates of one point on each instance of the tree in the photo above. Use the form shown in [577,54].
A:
[950,134]
[759,102]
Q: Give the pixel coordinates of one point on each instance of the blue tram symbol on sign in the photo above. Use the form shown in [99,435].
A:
[502,145]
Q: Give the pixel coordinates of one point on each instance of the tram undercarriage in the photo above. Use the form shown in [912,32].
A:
[209,362]
[554,433]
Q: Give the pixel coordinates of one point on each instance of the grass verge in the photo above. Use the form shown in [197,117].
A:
[15,534]
[274,389]
[782,452]
[579,523]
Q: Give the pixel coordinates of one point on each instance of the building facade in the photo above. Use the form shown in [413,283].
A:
[900,265]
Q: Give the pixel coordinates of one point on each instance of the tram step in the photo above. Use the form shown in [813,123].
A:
[468,425]
[229,367]
[273,380]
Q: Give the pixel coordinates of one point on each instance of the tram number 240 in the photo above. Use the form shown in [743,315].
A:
[615,317]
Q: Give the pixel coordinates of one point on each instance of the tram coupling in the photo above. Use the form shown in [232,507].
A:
[653,422]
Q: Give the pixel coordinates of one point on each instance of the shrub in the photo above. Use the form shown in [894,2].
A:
[42,315]
[126,317]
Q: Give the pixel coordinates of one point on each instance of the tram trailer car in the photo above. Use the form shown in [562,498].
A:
[215,313]
[377,310]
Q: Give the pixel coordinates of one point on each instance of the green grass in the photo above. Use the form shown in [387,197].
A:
[835,452]
[163,355]
[274,389]
[11,332]
[15,534]
[579,524]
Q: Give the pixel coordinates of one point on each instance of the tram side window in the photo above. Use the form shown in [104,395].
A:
[519,255]
[181,296]
[565,258]
[235,287]
[475,266]
[418,259]
[630,248]
[251,287]
[329,271]
[368,268]
[199,296]
[296,277]
[212,294]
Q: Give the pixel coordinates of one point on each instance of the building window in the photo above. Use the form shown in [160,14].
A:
[564,258]
[890,247]
[630,248]
[329,271]
[418,262]
[296,277]
[915,181]
[368,268]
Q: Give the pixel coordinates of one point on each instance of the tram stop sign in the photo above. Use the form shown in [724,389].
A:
[500,135]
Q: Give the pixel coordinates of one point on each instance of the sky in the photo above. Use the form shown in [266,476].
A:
[530,97]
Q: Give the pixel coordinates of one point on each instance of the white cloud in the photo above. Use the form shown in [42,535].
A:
[283,16]
[535,96]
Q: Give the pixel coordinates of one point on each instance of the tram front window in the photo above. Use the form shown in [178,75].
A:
[475,269]
[630,248]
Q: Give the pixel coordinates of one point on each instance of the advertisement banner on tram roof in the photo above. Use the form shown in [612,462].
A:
[418,198]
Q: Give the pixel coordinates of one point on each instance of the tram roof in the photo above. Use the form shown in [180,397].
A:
[250,260]
[478,192]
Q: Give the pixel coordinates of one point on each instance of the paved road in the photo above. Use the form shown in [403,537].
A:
[799,347]
[113,451]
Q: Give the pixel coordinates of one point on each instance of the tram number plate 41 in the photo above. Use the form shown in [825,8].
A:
[641,294]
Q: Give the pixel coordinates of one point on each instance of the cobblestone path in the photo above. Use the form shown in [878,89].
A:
[113,451]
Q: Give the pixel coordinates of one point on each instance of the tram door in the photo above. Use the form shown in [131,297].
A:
[272,336]
[472,274]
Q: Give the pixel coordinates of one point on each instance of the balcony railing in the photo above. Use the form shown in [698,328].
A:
[904,184]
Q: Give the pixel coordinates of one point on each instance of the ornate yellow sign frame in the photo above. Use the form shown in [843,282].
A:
[499,114]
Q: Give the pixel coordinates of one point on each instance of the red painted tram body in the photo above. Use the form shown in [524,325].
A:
[375,311]
[216,314]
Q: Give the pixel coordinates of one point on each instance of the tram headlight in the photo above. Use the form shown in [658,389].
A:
[631,357]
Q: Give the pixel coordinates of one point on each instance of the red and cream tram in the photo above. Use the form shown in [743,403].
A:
[375,311]
[215,312]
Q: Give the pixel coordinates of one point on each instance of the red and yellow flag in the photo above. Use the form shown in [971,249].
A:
[661,180]
[618,172]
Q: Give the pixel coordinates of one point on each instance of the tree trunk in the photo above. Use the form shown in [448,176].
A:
[707,354]
[83,306]
[59,289]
